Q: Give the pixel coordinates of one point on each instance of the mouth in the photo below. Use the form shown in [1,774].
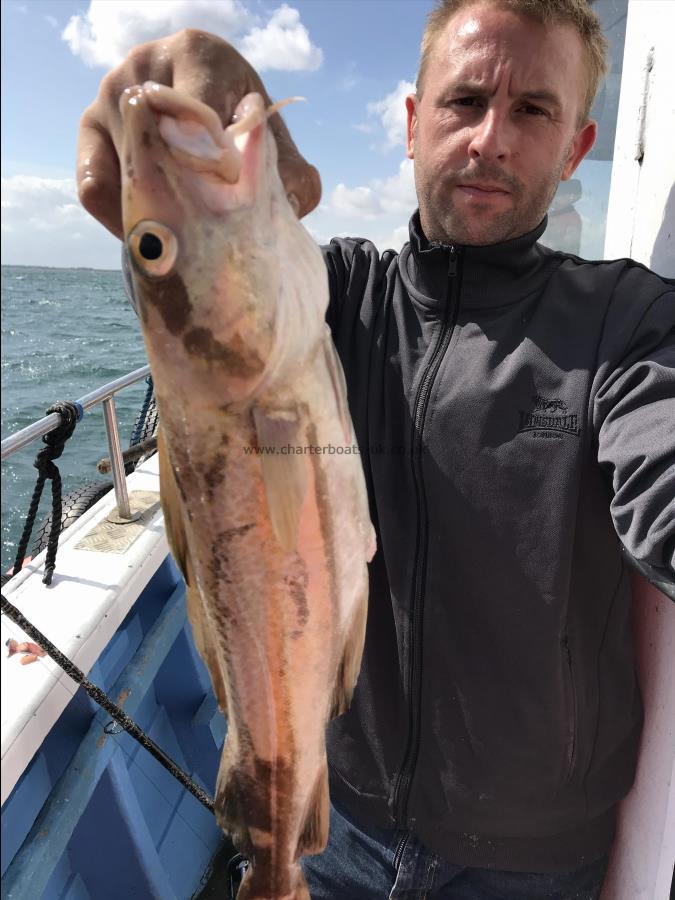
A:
[482,191]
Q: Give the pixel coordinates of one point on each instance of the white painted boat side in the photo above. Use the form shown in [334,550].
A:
[90,596]
[641,225]
[640,213]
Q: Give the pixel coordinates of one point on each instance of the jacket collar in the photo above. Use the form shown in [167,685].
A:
[493,275]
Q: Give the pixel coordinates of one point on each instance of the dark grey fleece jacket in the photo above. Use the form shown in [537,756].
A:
[515,410]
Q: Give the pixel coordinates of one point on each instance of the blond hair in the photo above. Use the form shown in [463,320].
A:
[576,13]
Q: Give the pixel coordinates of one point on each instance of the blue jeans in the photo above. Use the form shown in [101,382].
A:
[358,864]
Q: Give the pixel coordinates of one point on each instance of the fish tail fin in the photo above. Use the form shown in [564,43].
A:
[314,834]
[350,664]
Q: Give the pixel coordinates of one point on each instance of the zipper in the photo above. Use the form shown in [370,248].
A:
[571,710]
[398,856]
[414,681]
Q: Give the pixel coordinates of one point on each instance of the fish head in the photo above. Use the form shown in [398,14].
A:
[228,282]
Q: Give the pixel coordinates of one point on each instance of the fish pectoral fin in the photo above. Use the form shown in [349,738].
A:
[337,377]
[284,471]
[314,834]
[350,664]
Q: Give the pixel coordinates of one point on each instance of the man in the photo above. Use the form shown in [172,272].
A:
[511,404]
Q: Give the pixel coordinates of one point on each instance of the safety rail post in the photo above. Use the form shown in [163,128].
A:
[116,460]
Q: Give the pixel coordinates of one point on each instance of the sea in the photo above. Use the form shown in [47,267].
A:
[65,332]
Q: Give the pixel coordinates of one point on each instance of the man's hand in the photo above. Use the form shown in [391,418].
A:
[203,66]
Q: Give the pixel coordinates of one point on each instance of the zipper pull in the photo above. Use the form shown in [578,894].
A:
[452,262]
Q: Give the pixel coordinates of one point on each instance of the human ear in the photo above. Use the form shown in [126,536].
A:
[411,110]
[581,145]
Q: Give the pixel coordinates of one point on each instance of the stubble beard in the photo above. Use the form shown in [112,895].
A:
[444,222]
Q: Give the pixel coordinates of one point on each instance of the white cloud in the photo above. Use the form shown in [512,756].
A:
[391,240]
[392,113]
[358,201]
[43,224]
[107,31]
[28,193]
[378,210]
[283,43]
[380,196]
[397,193]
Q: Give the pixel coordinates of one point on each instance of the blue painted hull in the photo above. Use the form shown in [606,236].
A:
[94,816]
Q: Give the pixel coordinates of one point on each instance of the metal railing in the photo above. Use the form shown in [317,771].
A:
[106,396]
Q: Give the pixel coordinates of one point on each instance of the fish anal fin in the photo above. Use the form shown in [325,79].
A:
[284,473]
[350,664]
[337,377]
[172,507]
[206,646]
[314,834]
[174,524]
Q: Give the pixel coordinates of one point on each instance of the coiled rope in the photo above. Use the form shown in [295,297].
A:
[140,428]
[70,414]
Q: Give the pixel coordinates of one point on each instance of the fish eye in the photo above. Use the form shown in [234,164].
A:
[150,246]
[153,248]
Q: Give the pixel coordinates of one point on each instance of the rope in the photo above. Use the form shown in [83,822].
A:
[140,421]
[70,413]
[105,702]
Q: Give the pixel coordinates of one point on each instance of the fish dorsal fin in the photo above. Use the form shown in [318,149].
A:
[337,377]
[284,473]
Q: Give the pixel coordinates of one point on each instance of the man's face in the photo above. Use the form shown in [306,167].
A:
[495,129]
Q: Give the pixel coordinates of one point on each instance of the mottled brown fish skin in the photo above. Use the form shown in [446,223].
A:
[273,546]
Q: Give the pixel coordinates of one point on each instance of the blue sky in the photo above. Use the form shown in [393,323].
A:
[354,61]
[352,55]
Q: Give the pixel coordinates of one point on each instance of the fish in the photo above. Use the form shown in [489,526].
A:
[262,488]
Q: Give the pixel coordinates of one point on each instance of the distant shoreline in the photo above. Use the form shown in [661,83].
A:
[59,268]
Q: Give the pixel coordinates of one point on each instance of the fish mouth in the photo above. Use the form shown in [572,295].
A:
[193,132]
[224,166]
[158,120]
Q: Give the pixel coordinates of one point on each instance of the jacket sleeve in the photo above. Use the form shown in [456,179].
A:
[634,421]
[354,268]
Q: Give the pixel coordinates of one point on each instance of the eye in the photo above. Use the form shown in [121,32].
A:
[534,111]
[153,248]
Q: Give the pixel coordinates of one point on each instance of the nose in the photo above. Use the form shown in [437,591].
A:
[491,137]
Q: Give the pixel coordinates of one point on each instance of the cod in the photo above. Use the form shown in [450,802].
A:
[262,489]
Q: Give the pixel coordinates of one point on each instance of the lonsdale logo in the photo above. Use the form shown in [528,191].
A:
[549,418]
